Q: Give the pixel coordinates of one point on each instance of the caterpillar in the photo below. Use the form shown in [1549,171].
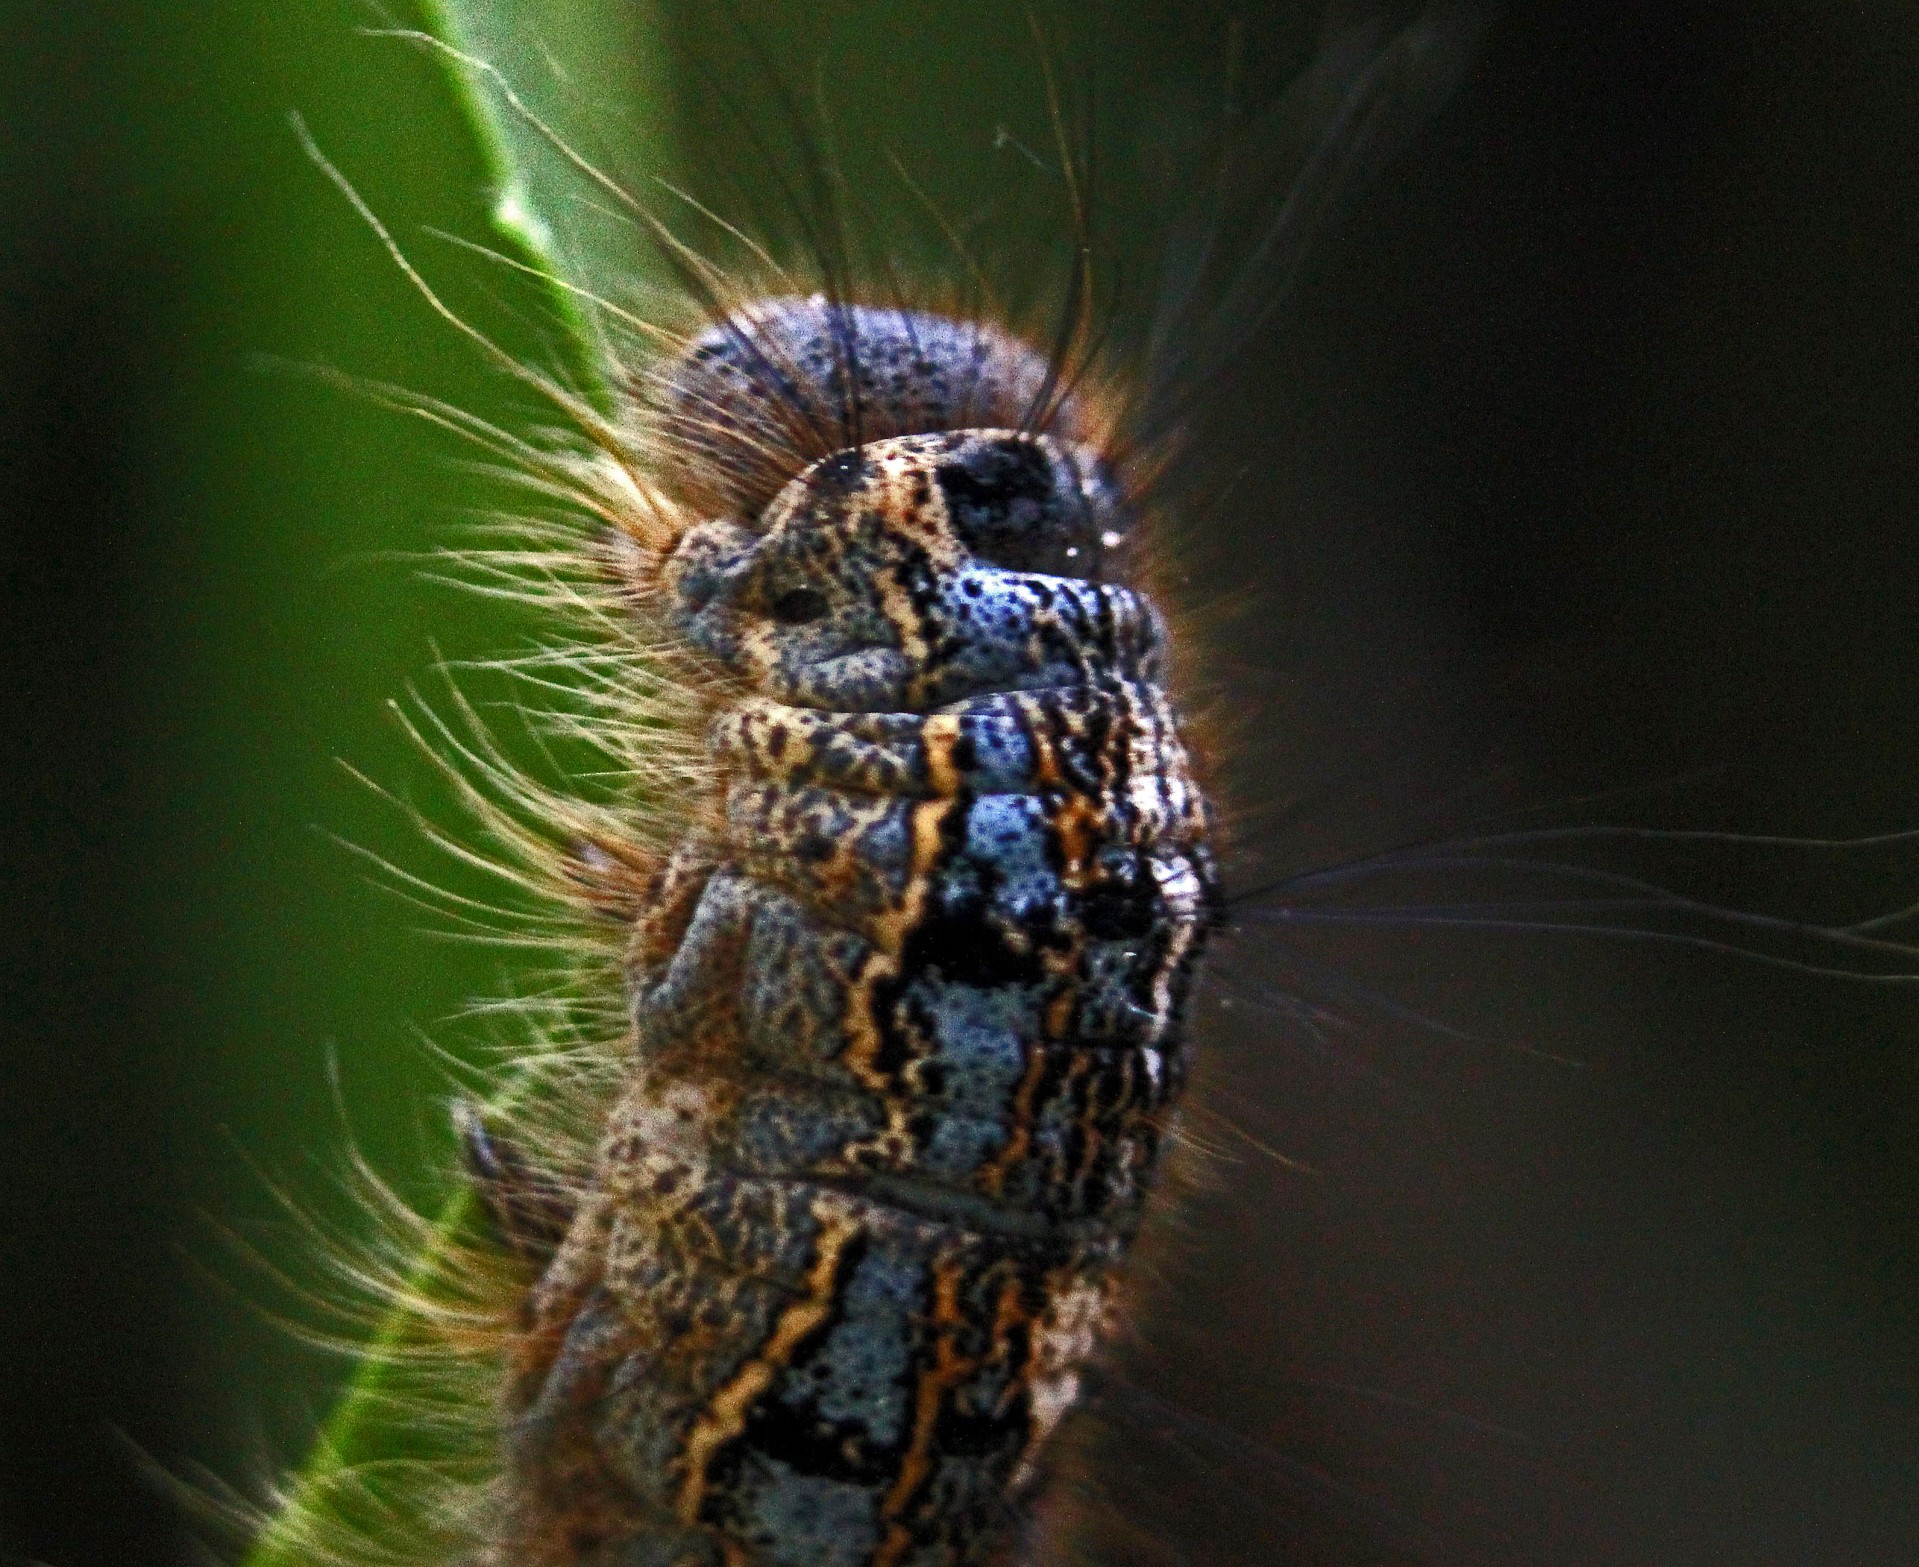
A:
[909,1004]
[811,1268]
[744,542]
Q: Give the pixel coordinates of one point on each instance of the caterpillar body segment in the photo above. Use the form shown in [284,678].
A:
[907,1006]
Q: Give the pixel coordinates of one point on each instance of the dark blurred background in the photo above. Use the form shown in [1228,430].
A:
[1582,464]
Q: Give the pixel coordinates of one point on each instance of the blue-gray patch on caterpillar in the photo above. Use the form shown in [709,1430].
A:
[859,1375]
[792,1132]
[979,1038]
[1008,837]
[1000,755]
[804,1520]
[795,993]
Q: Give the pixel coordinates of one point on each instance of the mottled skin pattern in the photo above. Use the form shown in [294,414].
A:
[908,1013]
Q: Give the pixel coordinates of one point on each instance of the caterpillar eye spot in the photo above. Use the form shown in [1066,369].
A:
[798,606]
[840,473]
[1020,503]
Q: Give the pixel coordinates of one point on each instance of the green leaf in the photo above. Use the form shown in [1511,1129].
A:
[593,70]
[566,62]
[363,1432]
[582,72]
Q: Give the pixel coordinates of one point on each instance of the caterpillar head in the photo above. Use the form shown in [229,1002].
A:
[915,571]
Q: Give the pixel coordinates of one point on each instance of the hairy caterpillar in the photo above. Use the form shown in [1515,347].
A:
[609,889]
[818,1279]
[909,1014]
